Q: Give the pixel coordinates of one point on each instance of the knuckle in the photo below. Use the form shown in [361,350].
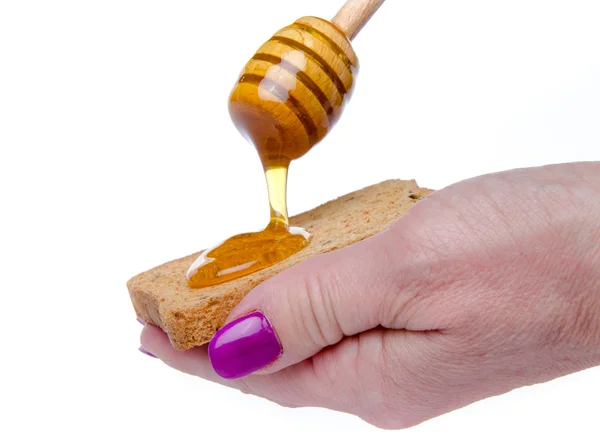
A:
[243,386]
[287,405]
[416,388]
[313,307]
[387,419]
[247,387]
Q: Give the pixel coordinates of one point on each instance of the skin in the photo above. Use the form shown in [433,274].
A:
[485,286]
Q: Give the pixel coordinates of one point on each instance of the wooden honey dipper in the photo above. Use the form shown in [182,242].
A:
[294,88]
[287,98]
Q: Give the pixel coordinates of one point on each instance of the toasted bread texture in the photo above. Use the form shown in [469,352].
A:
[190,317]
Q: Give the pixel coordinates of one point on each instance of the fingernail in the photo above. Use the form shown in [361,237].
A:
[146,352]
[141,321]
[243,346]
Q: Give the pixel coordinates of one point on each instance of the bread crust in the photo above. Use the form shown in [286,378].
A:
[190,317]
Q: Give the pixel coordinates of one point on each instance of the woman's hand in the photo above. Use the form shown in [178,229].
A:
[485,286]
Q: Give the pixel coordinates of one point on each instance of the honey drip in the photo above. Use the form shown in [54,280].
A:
[288,97]
[249,252]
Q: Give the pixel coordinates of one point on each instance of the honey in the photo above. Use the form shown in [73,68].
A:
[287,98]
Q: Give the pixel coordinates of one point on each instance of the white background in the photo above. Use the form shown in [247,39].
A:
[117,154]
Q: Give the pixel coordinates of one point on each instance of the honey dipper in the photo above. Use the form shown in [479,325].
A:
[287,98]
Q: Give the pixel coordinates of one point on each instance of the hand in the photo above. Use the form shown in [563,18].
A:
[485,286]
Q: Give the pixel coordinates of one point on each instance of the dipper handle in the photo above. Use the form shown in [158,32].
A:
[353,16]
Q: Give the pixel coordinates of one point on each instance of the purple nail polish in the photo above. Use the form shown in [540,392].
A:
[141,321]
[146,352]
[243,346]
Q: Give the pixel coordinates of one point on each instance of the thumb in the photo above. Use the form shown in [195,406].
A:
[306,308]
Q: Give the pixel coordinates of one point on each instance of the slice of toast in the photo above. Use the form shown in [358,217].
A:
[190,317]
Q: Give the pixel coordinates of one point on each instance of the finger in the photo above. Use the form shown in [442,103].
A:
[193,361]
[390,378]
[297,386]
[306,308]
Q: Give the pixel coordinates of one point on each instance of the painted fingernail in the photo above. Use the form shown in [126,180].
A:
[146,352]
[141,321]
[243,346]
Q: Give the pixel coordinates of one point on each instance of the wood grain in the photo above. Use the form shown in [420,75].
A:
[293,90]
[353,16]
